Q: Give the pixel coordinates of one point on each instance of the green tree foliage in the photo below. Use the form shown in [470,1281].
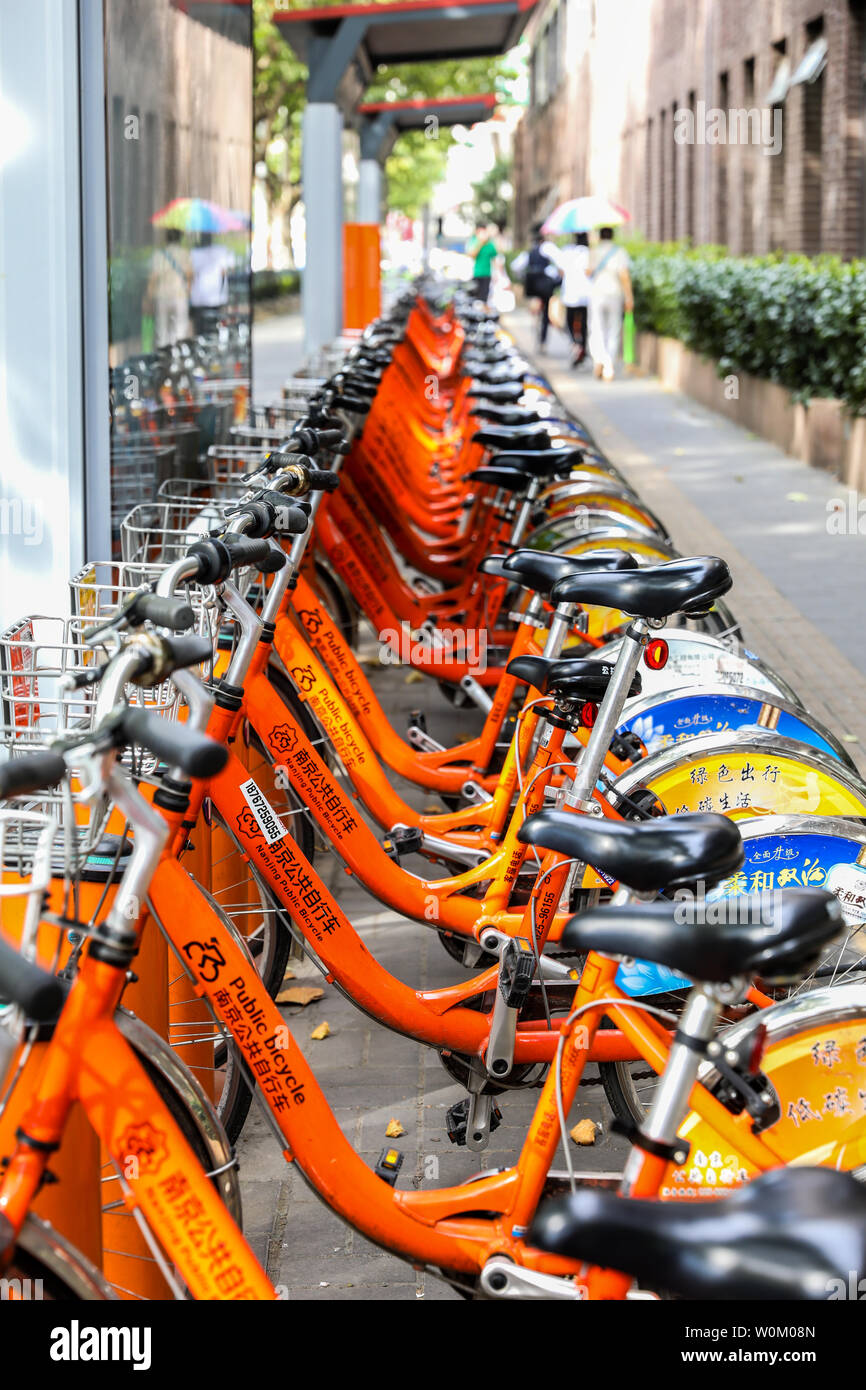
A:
[489,204]
[279,83]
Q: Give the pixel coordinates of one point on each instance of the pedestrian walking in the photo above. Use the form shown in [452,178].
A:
[573,262]
[609,298]
[483,246]
[539,272]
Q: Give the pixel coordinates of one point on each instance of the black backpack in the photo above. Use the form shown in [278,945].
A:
[538,282]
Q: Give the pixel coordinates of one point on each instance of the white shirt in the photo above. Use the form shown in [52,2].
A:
[606,284]
[572,262]
[210,267]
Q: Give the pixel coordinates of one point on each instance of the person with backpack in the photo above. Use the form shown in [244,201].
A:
[610,297]
[540,276]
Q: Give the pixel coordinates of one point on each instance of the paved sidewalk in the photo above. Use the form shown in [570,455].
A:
[278,351]
[722,491]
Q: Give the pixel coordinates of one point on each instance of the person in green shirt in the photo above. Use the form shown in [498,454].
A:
[484,246]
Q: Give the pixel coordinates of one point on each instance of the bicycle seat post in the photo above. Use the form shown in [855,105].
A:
[670,1104]
[579,795]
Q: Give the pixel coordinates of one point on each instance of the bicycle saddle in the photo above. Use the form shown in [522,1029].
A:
[511,478]
[505,414]
[645,855]
[688,586]
[529,436]
[777,940]
[569,678]
[540,571]
[789,1234]
[542,463]
[508,392]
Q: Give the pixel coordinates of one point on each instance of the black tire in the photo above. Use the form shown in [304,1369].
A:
[339,603]
[52,1288]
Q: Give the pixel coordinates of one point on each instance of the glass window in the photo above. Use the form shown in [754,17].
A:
[179,127]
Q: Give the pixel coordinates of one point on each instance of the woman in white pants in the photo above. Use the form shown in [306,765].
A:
[610,296]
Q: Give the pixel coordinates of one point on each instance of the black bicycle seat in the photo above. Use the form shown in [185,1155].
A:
[507,392]
[530,436]
[540,571]
[689,586]
[513,479]
[542,463]
[505,414]
[779,940]
[792,1234]
[645,855]
[568,678]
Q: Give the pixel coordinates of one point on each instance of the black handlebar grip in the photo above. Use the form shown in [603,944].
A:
[356,407]
[32,773]
[323,480]
[245,552]
[214,560]
[187,651]
[39,994]
[259,514]
[173,743]
[288,520]
[173,613]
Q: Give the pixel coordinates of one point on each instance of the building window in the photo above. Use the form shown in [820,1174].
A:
[690,175]
[776,101]
[673,198]
[648,185]
[664,155]
[722,154]
[812,80]
[747,154]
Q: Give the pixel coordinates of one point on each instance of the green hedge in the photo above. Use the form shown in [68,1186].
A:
[270,284]
[789,319]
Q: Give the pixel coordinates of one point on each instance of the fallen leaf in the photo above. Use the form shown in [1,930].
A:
[301,994]
[432,809]
[850,738]
[394,1130]
[798,497]
[584,1132]
[413,678]
[323,1031]
[289,975]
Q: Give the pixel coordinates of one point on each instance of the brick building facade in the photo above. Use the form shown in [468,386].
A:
[612,82]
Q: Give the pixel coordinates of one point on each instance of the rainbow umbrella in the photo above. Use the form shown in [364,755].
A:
[198,215]
[583,215]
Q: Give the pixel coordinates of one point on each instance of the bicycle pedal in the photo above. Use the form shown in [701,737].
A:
[404,839]
[388,1166]
[457,1118]
[516,972]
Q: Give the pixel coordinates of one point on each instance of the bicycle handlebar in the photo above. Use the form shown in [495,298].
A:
[37,992]
[33,773]
[175,744]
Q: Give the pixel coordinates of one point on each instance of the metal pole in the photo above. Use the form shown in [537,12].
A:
[322,285]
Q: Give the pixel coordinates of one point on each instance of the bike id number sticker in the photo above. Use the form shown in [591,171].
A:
[268,821]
